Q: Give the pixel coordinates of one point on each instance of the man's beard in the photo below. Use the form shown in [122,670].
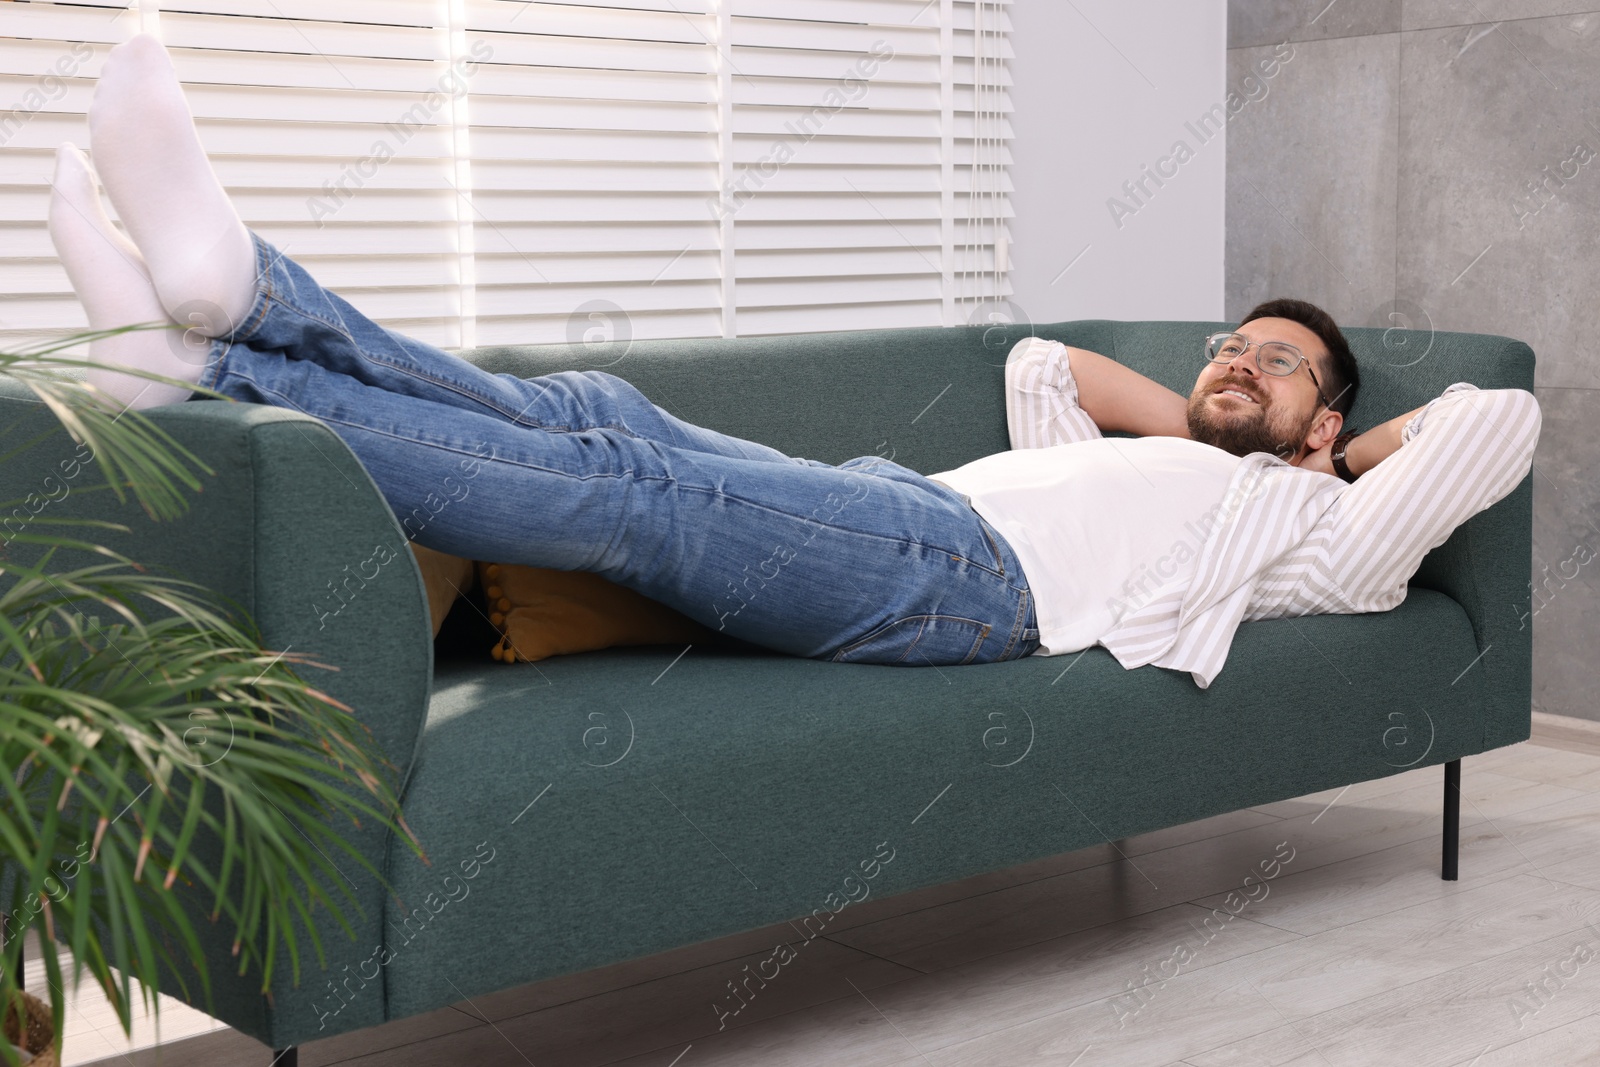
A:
[1245,428]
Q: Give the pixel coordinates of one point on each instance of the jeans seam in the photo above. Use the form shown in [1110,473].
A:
[260,306]
[514,418]
[606,474]
[290,405]
[1017,625]
[339,327]
[271,293]
[267,296]
[264,299]
[489,403]
[999,562]
[876,630]
[212,376]
[998,570]
[924,617]
[978,645]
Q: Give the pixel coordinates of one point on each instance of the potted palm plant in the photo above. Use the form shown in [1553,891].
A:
[156,760]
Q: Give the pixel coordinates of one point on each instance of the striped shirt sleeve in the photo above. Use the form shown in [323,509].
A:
[1467,449]
[1042,397]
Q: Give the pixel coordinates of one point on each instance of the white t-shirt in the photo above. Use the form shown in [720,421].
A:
[1099,526]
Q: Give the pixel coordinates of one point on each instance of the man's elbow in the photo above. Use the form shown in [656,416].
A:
[1517,419]
[1522,414]
[1510,410]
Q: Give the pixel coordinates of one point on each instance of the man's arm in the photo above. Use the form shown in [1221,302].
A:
[1056,395]
[1365,451]
[1458,454]
[1120,398]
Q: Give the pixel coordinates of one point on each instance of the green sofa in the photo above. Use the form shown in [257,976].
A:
[598,807]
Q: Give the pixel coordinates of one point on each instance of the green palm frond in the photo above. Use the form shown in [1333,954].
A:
[158,760]
[142,456]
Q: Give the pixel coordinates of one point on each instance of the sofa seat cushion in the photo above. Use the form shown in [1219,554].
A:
[697,797]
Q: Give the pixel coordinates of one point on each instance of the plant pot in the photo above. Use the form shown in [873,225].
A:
[38,1032]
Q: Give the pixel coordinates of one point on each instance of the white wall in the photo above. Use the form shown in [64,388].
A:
[1103,89]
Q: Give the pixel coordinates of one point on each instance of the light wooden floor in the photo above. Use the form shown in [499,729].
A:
[1357,954]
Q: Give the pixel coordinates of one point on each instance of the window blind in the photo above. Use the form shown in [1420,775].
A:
[49,55]
[595,144]
[479,172]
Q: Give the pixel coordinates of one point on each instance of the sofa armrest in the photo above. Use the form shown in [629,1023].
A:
[291,529]
[1486,566]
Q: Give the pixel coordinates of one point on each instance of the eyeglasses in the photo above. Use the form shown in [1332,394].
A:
[1272,357]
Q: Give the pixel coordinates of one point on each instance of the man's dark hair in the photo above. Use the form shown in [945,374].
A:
[1340,376]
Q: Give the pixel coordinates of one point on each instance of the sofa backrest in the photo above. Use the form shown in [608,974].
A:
[933,399]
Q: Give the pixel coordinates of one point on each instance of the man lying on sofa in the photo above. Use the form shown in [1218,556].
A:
[1244,501]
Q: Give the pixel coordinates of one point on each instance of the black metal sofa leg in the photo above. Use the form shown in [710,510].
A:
[1452,819]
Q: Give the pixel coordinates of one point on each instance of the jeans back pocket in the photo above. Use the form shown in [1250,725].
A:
[919,641]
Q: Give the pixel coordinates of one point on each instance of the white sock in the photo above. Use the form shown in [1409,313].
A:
[115,288]
[144,144]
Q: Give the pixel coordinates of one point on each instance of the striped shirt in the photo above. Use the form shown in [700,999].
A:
[1290,541]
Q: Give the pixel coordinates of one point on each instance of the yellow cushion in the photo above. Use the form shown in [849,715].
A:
[541,613]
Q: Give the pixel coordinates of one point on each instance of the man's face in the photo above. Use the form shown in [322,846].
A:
[1278,416]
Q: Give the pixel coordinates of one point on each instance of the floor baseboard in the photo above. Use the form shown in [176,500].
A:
[1566,732]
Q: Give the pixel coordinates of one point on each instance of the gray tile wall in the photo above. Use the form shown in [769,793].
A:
[1417,163]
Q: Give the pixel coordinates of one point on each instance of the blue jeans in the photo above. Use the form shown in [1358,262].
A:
[863,562]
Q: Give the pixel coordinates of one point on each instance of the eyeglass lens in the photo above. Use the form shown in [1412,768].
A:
[1272,357]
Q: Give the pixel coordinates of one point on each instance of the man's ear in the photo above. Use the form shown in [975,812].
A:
[1324,429]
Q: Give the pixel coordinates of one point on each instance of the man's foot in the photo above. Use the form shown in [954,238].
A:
[143,139]
[115,289]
